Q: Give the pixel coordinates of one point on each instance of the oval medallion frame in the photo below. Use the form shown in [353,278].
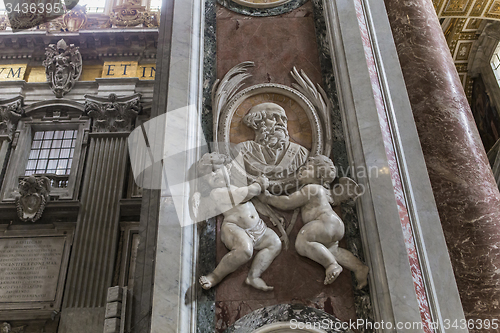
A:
[269,88]
[250,3]
[287,327]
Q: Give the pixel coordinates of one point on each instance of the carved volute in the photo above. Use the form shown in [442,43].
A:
[112,113]
[11,111]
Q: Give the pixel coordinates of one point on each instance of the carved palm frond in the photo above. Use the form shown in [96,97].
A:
[224,90]
[321,102]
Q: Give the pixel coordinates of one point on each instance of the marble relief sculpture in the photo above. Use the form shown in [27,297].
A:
[242,230]
[301,178]
[271,153]
[319,238]
[63,67]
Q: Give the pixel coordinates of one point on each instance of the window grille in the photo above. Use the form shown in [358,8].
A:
[51,152]
[495,63]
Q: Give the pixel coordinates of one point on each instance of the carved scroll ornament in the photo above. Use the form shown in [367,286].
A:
[63,67]
[76,19]
[33,196]
[11,111]
[113,114]
[133,14]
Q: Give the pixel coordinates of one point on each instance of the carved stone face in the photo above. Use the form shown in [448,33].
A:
[275,120]
[307,174]
[270,124]
[219,178]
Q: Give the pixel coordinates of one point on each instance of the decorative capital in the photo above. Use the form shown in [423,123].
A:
[63,66]
[11,110]
[112,113]
[33,196]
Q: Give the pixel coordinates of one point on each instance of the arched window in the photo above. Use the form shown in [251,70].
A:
[495,62]
[50,141]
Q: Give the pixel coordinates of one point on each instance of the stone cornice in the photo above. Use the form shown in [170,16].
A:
[93,44]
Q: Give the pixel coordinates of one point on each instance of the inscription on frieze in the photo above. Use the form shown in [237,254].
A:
[29,268]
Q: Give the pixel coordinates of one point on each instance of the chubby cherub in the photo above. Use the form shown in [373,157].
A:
[323,229]
[242,230]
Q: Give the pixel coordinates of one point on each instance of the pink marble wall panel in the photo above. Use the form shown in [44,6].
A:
[275,44]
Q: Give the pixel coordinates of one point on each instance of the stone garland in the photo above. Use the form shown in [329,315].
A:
[262,12]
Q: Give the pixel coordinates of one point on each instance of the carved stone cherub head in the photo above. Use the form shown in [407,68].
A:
[214,168]
[5,328]
[318,169]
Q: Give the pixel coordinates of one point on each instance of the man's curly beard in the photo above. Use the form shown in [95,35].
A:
[274,138]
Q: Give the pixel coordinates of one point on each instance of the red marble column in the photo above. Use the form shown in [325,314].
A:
[465,191]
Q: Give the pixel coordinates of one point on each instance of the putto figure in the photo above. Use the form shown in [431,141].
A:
[63,66]
[323,229]
[242,231]
[271,153]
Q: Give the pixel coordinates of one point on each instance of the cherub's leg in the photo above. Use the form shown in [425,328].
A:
[310,243]
[351,262]
[237,240]
[270,247]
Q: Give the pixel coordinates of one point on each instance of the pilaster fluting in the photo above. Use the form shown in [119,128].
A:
[464,188]
[93,256]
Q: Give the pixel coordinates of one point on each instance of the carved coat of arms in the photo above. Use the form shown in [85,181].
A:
[63,66]
[34,194]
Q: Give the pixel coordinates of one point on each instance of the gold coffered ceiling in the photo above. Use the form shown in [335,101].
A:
[462,22]
[486,9]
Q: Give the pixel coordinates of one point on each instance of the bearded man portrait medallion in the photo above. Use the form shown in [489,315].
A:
[271,153]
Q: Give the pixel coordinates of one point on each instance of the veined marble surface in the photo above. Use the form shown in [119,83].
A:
[466,194]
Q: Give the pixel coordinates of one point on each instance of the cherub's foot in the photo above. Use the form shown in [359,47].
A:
[332,272]
[208,281]
[362,277]
[258,283]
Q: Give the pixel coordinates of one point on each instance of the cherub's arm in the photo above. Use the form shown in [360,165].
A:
[285,202]
[236,195]
[247,192]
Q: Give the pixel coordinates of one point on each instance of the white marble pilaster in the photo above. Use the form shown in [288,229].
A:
[174,305]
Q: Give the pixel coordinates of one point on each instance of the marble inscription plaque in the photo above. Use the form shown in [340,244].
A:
[29,268]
